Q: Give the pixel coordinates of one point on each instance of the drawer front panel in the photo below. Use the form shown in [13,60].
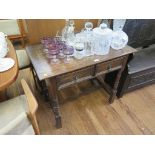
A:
[85,73]
[73,77]
[109,66]
[65,78]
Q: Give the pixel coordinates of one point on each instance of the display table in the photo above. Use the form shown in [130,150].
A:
[62,75]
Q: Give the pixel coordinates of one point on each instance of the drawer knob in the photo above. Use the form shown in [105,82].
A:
[76,77]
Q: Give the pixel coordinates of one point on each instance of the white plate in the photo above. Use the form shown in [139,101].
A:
[6,64]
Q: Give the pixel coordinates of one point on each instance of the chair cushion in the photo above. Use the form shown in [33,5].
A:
[23,59]
[13,118]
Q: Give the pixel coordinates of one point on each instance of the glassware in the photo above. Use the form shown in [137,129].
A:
[118,24]
[88,38]
[68,51]
[68,32]
[105,21]
[47,45]
[50,48]
[45,40]
[88,26]
[61,45]
[79,46]
[119,40]
[52,54]
[49,42]
[102,39]
[64,30]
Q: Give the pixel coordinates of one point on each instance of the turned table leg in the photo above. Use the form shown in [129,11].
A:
[55,102]
[40,85]
[34,76]
[114,90]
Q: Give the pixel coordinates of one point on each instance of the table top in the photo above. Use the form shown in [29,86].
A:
[46,70]
[9,76]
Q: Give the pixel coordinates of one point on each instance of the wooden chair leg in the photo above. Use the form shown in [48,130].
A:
[23,42]
[3,95]
[34,122]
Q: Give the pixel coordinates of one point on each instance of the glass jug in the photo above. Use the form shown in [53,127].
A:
[102,39]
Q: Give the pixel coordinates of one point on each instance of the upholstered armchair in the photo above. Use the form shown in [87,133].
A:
[15,29]
[18,115]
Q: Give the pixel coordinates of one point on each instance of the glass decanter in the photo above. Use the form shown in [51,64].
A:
[88,38]
[65,30]
[68,32]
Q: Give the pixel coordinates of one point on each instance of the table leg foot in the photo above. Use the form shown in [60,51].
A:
[55,102]
[56,110]
[118,76]
[112,97]
[58,122]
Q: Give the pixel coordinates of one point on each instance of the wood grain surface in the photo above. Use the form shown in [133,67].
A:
[90,114]
[45,69]
[37,28]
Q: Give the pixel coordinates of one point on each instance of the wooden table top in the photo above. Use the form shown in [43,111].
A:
[9,76]
[45,70]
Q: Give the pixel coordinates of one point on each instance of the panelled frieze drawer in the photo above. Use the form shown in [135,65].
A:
[88,72]
[109,66]
[75,77]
